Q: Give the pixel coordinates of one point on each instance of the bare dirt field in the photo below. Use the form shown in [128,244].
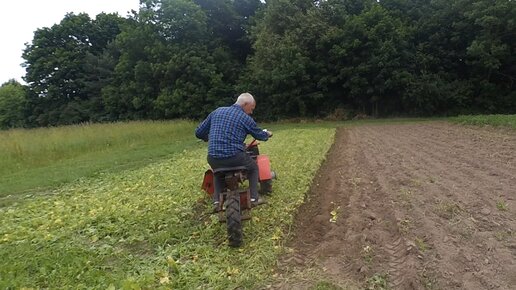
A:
[415,206]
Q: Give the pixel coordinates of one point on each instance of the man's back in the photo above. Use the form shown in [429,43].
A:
[228,130]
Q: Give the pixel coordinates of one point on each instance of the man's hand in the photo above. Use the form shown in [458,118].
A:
[268,132]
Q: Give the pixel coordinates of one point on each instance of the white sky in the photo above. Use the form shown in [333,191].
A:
[20,18]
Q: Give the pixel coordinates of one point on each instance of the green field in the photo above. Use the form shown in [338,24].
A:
[41,159]
[148,227]
[119,206]
[508,121]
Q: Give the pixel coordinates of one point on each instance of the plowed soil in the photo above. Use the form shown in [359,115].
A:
[415,206]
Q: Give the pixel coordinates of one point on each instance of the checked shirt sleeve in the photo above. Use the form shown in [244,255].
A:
[252,128]
[202,132]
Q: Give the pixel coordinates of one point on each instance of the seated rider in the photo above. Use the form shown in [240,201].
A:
[225,129]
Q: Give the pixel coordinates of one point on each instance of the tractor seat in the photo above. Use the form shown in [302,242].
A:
[228,169]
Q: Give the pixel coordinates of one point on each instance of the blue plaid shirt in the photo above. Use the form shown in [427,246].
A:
[226,129]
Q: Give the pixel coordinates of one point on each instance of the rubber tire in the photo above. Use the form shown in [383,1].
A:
[266,187]
[234,220]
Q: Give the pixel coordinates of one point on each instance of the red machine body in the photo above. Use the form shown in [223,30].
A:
[264,167]
[207,183]
[265,173]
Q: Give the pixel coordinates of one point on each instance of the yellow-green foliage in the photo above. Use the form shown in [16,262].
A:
[492,120]
[146,228]
[44,145]
[43,158]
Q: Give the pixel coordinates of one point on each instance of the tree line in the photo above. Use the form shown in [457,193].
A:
[300,58]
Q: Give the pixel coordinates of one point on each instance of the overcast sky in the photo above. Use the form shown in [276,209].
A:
[20,18]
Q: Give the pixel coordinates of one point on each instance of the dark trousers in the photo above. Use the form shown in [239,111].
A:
[241,159]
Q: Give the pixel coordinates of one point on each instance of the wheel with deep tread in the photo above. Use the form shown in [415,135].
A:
[266,187]
[234,220]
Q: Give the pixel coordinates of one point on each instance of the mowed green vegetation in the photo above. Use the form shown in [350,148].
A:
[148,227]
[38,159]
[484,120]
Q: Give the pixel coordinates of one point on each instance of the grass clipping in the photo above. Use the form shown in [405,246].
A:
[149,228]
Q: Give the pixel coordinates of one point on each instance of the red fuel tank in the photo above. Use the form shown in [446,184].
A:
[264,167]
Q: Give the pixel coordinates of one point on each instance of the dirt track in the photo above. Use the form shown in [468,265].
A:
[419,206]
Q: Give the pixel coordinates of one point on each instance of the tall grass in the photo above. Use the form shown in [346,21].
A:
[487,120]
[39,158]
[45,145]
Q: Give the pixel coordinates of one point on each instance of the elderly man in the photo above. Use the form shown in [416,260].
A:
[225,129]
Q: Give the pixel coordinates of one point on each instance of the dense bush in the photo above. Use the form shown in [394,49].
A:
[301,58]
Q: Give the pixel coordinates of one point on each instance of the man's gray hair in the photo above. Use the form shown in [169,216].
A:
[244,99]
